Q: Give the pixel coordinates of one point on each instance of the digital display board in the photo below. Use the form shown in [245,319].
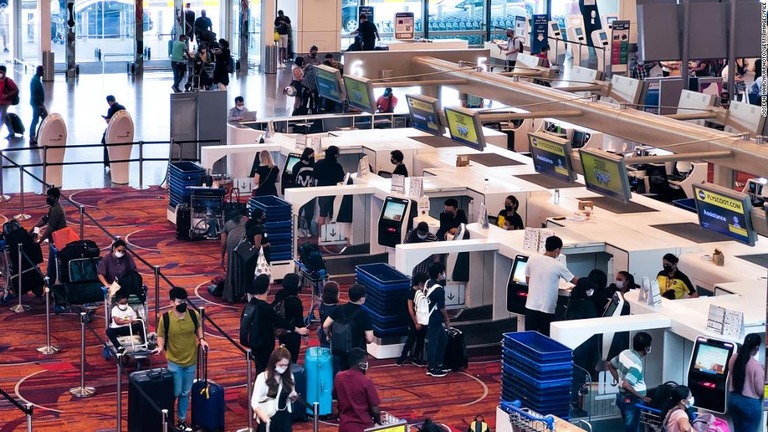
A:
[605,173]
[551,156]
[360,93]
[329,83]
[425,114]
[465,128]
[725,211]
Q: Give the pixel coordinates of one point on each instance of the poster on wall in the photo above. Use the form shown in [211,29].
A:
[620,43]
[520,27]
[404,25]
[367,10]
[539,33]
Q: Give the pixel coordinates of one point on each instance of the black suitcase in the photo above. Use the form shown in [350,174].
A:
[299,409]
[16,124]
[455,351]
[156,384]
[77,293]
[28,246]
[79,249]
[183,222]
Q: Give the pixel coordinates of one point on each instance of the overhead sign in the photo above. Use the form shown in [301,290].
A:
[725,212]
[404,25]
[539,33]
[620,43]
[367,10]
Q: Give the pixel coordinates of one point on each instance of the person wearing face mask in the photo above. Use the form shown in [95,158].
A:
[237,111]
[358,400]
[745,386]
[387,102]
[53,221]
[8,91]
[124,321]
[436,334]
[450,219]
[312,58]
[178,334]
[327,172]
[673,283]
[116,264]
[586,355]
[396,157]
[422,235]
[675,414]
[357,318]
[624,282]
[627,372]
[509,218]
[303,177]
[274,392]
[256,233]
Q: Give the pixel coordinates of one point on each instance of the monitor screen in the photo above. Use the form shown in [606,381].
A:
[613,305]
[579,32]
[555,27]
[465,128]
[711,359]
[551,156]
[290,162]
[425,114]
[605,173]
[754,187]
[579,139]
[360,93]
[328,83]
[725,211]
[517,275]
[603,36]
[394,210]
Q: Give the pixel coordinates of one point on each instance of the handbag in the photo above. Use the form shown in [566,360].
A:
[262,266]
[245,250]
[43,112]
[277,36]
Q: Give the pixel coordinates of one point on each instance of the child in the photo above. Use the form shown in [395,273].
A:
[544,56]
[123,316]
[416,331]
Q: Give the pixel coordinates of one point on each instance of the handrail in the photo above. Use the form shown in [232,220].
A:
[23,168]
[22,408]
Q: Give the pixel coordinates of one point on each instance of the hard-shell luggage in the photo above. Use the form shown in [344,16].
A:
[455,350]
[79,249]
[319,363]
[298,409]
[77,293]
[16,124]
[183,222]
[207,400]
[157,385]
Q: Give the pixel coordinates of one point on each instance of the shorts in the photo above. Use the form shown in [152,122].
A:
[283,41]
[326,206]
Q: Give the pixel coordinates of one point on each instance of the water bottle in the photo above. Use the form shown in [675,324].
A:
[557,197]
[486,186]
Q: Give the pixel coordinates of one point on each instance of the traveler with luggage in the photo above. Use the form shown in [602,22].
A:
[303,177]
[274,392]
[358,401]
[627,372]
[288,305]
[116,264]
[330,301]
[675,413]
[256,233]
[124,322]
[114,107]
[437,338]
[179,332]
[53,221]
[413,350]
[348,327]
[258,322]
[9,95]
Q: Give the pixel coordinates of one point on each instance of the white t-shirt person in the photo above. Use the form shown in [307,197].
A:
[127,313]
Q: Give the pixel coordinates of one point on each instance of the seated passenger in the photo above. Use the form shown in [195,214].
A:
[508,218]
[450,219]
[237,111]
[124,321]
[422,235]
[673,283]
[387,102]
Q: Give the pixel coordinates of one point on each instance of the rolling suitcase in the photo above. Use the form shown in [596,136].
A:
[183,222]
[16,124]
[319,378]
[455,350]
[298,409]
[157,385]
[207,400]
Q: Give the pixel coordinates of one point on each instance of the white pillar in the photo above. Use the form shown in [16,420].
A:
[44,29]
[268,14]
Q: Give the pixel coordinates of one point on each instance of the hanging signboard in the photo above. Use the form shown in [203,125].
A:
[620,43]
[539,33]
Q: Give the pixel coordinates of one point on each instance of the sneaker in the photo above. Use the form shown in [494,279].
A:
[182,426]
[443,368]
[399,362]
[436,373]
[419,363]
[176,89]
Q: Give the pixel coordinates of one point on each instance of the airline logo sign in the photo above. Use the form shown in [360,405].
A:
[719,200]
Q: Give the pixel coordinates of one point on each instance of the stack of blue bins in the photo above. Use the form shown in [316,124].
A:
[537,371]
[279,225]
[385,290]
[181,175]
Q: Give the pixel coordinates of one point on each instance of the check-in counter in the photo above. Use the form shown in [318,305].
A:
[421,44]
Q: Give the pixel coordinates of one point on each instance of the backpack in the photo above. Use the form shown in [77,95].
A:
[279,308]
[662,394]
[342,337]
[11,226]
[311,258]
[421,305]
[249,325]
[707,422]
[167,325]
[478,425]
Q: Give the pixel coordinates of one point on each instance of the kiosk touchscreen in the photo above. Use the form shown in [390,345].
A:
[725,211]
[360,93]
[425,114]
[329,83]
[605,173]
[579,139]
[394,220]
[286,178]
[465,127]
[517,288]
[551,156]
[708,372]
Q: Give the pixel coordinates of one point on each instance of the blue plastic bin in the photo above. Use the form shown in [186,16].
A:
[382,277]
[537,347]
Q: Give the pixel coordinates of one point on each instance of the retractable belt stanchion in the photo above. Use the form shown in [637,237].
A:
[82,221]
[29,417]
[164,424]
[316,416]
[21,216]
[19,308]
[82,391]
[157,294]
[119,392]
[249,390]
[3,196]
[48,349]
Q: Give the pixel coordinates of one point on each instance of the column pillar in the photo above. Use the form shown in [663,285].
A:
[268,14]
[138,36]
[44,31]
[71,44]
[242,32]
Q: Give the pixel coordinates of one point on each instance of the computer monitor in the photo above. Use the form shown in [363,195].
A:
[465,127]
[605,173]
[360,93]
[579,32]
[579,139]
[290,162]
[394,210]
[725,211]
[551,156]
[425,114]
[614,306]
[754,187]
[329,83]
[711,359]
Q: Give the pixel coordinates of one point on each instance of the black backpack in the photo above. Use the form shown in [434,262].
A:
[342,334]
[249,325]
[311,258]
[662,394]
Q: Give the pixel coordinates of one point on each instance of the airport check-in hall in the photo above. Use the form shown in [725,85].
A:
[541,236]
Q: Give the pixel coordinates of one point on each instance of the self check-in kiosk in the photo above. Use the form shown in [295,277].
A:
[517,288]
[395,220]
[557,46]
[287,177]
[577,33]
[602,48]
[708,373]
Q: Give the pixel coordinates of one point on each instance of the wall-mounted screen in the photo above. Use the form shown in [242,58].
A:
[360,93]
[725,211]
[605,173]
[290,162]
[425,114]
[465,127]
[329,83]
[551,156]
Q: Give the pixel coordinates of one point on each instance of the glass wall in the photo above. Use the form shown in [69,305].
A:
[384,15]
[457,19]
[30,42]
[254,33]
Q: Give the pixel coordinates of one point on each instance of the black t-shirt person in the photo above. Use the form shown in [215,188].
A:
[282,25]
[368,33]
[361,322]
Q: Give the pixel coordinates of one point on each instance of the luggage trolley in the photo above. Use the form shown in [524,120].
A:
[316,280]
[136,346]
[527,420]
[650,418]
[78,287]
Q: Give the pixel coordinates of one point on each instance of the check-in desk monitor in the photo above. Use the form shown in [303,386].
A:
[394,221]
[580,139]
[517,288]
[425,114]
[360,93]
[708,373]
[551,156]
[605,173]
[465,127]
[725,211]
[329,83]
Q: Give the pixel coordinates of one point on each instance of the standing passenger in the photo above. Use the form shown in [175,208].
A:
[37,101]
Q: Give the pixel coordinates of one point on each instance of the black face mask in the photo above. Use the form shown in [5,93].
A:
[50,200]
[509,208]
[668,268]
[181,308]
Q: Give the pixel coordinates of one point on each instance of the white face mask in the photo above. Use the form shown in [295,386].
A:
[422,236]
[119,254]
[620,284]
[689,402]
[364,366]
[280,369]
[590,292]
[122,307]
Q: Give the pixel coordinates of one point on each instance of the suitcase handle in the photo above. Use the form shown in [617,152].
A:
[202,366]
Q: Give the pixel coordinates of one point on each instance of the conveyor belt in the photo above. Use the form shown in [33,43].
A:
[759,259]
[345,265]
[491,160]
[693,232]
[546,181]
[618,207]
[436,141]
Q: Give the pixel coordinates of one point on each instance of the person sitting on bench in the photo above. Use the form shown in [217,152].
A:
[125,322]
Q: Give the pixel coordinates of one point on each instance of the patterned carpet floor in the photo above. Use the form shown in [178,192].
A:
[139,216]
